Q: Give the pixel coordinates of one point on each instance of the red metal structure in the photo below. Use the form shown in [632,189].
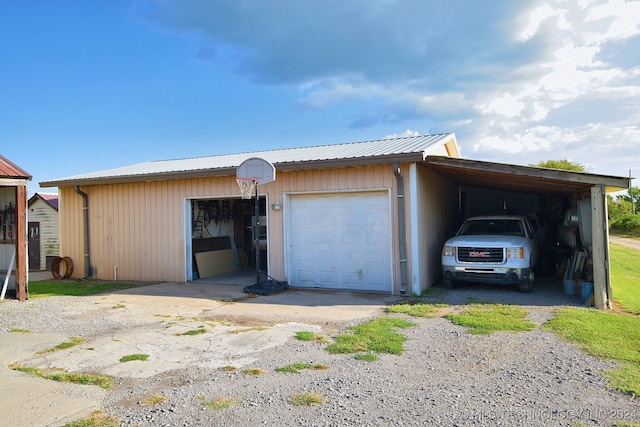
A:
[13,185]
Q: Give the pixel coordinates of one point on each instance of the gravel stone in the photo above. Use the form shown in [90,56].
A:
[445,377]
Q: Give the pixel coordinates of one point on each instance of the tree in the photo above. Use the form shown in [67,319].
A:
[563,164]
[633,195]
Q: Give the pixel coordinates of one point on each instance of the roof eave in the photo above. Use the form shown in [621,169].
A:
[205,173]
[611,183]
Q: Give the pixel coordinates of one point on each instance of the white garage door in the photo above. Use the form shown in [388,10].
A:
[340,241]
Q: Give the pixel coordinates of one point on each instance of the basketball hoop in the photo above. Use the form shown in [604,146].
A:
[247,187]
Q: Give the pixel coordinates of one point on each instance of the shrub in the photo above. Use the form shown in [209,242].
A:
[628,223]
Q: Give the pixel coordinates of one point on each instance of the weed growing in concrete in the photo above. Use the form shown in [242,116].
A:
[254,328]
[201,330]
[67,377]
[136,356]
[74,341]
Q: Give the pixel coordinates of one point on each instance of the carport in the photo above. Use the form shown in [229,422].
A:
[559,198]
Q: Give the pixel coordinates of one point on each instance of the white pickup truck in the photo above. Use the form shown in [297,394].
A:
[492,249]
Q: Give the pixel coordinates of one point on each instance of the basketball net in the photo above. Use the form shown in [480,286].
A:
[247,187]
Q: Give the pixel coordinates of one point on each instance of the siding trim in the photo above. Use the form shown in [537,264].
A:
[416,271]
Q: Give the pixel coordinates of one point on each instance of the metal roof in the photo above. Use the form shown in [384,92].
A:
[402,149]
[521,179]
[8,169]
[49,199]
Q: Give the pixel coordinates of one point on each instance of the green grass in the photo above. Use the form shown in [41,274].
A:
[201,330]
[378,335]
[132,357]
[606,335]
[254,372]
[253,328]
[417,310]
[75,378]
[367,357]
[308,399]
[55,288]
[96,419]
[74,341]
[295,368]
[625,277]
[489,318]
[220,403]
[312,336]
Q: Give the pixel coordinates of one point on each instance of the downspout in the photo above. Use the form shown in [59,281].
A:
[85,209]
[402,227]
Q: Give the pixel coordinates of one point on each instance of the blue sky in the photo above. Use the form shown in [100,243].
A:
[92,85]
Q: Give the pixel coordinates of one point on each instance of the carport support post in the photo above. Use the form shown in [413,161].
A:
[256,233]
[600,248]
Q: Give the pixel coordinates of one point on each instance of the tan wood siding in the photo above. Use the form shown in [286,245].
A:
[140,227]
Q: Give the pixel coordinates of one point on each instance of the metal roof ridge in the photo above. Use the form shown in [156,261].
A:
[276,150]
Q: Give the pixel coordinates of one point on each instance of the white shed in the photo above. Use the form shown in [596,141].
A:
[44,230]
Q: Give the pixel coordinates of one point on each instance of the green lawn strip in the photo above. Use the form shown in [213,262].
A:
[606,335]
[73,288]
[376,335]
[67,377]
[625,277]
[489,318]
[417,309]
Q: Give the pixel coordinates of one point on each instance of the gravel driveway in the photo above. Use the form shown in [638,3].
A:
[445,377]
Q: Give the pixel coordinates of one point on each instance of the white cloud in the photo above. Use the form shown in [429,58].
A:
[506,78]
[406,133]
[535,18]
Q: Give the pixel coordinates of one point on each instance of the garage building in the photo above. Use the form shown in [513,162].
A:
[368,216]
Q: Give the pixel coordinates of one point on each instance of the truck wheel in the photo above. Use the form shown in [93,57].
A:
[527,286]
[448,283]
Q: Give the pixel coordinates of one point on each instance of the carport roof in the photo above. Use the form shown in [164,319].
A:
[522,179]
[401,149]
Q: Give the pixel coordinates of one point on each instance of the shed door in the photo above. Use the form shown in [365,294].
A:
[34,246]
[340,241]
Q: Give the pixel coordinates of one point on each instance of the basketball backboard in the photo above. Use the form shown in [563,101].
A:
[257,168]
